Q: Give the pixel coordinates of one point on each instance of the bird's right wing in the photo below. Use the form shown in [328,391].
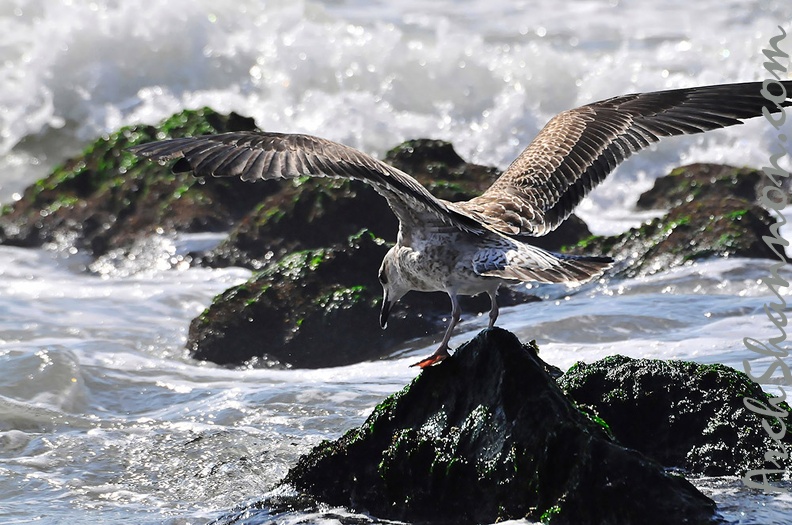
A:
[261,155]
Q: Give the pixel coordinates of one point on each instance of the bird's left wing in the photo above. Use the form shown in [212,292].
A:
[578,148]
[260,155]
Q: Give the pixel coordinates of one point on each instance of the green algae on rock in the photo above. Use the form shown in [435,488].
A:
[681,414]
[694,181]
[487,436]
[106,198]
[303,215]
[301,309]
[706,219]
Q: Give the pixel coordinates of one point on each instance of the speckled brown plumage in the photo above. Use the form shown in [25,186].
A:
[578,148]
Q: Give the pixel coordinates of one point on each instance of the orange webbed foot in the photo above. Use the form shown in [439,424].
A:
[430,361]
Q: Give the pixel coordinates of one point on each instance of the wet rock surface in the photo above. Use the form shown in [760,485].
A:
[107,199]
[488,435]
[681,414]
[304,214]
[694,181]
[301,310]
[713,213]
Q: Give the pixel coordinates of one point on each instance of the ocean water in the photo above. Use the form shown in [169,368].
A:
[104,419]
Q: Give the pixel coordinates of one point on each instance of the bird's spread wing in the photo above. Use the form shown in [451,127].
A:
[259,155]
[578,148]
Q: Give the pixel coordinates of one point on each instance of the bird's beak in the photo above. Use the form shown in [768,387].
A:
[386,308]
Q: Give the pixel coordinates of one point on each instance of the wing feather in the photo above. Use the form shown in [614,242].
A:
[260,155]
[578,148]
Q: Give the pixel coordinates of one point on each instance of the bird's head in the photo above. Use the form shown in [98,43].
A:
[393,285]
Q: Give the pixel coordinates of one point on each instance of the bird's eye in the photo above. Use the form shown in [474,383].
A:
[383,278]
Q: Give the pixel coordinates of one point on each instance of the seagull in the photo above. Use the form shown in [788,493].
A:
[475,246]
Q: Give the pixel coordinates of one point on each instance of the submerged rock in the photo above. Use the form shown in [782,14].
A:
[679,413]
[712,217]
[487,436]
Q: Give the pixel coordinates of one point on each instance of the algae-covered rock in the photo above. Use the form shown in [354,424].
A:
[707,226]
[304,214]
[695,181]
[713,212]
[681,414]
[439,167]
[310,308]
[486,436]
[107,198]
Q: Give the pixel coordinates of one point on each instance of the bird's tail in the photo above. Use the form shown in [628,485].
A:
[534,264]
[576,268]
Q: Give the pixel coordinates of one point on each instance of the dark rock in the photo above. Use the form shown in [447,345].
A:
[713,213]
[437,166]
[695,181]
[705,227]
[107,198]
[305,214]
[486,436]
[569,232]
[301,310]
[681,414]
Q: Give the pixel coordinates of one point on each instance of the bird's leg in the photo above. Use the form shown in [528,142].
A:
[493,314]
[442,351]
